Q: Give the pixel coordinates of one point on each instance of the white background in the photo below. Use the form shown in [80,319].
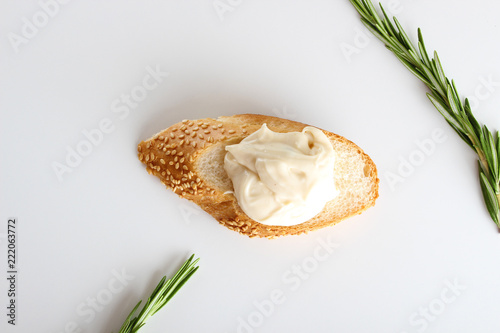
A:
[310,61]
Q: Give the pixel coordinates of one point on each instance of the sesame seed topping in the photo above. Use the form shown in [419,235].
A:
[168,153]
[141,156]
[196,128]
[181,160]
[204,126]
[193,134]
[147,158]
[183,127]
[231,131]
[176,159]
[164,149]
[193,144]
[201,136]
[174,129]
[152,156]
[148,145]
[185,121]
[206,131]
[187,132]
[174,152]
[161,137]
[172,135]
[171,163]
[185,167]
[190,124]
[181,136]
[214,127]
[180,153]
[219,125]
[162,161]
[222,130]
[176,165]
[139,149]
[181,143]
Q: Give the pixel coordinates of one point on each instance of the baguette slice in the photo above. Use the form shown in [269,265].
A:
[188,157]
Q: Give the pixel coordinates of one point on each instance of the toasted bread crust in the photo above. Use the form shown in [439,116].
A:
[172,156]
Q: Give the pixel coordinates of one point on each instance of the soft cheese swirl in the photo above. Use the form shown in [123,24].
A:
[282,179]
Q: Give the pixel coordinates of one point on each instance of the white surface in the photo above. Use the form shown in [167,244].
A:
[109,215]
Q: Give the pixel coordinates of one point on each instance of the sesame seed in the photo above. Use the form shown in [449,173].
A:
[174,152]
[173,145]
[168,153]
[196,128]
[222,130]
[152,157]
[141,156]
[177,166]
[147,158]
[204,126]
[171,163]
[148,145]
[193,144]
[231,131]
[183,127]
[206,131]
[139,149]
[166,140]
[172,135]
[180,153]
[185,168]
[181,160]
[162,161]
[174,129]
[164,149]
[181,143]
[244,130]
[214,127]
[163,173]
[176,159]
[190,124]
[187,132]
[185,121]
[200,136]
[219,125]
[161,137]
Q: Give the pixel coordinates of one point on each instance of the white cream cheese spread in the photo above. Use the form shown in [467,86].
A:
[282,179]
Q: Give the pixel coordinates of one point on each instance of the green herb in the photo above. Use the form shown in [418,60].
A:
[163,292]
[443,94]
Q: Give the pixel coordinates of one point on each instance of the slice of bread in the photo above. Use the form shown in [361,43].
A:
[188,157]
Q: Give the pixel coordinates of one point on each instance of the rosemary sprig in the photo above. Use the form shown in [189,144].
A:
[164,291]
[443,95]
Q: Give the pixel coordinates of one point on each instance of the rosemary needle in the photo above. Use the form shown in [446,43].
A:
[443,95]
[164,291]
